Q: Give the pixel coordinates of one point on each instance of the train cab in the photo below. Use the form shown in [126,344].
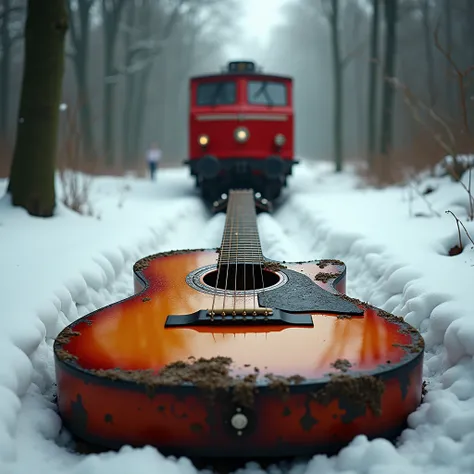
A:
[241,131]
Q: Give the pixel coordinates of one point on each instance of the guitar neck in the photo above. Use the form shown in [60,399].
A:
[240,240]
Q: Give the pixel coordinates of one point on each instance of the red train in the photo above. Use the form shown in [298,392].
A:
[241,131]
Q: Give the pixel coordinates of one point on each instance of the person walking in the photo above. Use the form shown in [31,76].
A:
[153,157]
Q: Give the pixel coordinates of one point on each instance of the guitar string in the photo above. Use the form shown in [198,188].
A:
[229,244]
[245,267]
[239,210]
[259,254]
[253,252]
[219,263]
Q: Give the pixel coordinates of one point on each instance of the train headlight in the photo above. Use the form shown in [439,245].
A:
[280,139]
[203,140]
[241,134]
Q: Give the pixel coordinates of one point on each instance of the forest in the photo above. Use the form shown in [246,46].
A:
[124,85]
[385,82]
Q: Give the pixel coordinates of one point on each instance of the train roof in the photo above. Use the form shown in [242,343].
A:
[241,68]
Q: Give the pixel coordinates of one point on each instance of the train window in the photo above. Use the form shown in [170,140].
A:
[216,93]
[266,93]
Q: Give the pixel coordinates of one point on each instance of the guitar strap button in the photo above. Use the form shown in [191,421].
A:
[239,421]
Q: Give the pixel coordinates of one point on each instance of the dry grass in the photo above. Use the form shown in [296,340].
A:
[75,185]
[423,154]
[6,153]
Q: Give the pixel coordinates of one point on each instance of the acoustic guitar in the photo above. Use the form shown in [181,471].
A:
[225,353]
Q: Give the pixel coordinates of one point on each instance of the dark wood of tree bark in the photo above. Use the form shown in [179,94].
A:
[34,161]
[5,60]
[80,37]
[373,68]
[391,13]
[111,15]
[127,158]
[337,68]
[430,64]
[450,99]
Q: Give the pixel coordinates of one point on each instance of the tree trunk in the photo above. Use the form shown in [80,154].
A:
[373,68]
[140,108]
[80,40]
[84,104]
[5,60]
[337,74]
[108,100]
[140,93]
[389,71]
[129,92]
[32,173]
[111,14]
[430,74]
[82,60]
[450,99]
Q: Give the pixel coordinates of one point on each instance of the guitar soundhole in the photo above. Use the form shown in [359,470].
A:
[241,278]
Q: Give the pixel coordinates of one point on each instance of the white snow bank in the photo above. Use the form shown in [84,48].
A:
[59,269]
[56,270]
[399,263]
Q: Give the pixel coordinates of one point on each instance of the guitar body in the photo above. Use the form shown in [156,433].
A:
[165,368]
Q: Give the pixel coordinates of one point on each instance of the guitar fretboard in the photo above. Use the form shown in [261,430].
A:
[240,241]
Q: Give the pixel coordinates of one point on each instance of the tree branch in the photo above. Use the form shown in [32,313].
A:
[72,23]
[16,37]
[354,53]
[11,10]
[460,75]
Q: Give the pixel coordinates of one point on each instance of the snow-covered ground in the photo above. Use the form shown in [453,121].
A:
[55,270]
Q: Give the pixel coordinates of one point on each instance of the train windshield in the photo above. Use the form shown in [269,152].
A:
[267,93]
[216,93]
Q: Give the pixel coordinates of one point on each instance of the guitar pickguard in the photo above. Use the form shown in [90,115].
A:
[301,294]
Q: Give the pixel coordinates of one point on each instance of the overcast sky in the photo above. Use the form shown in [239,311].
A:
[259,17]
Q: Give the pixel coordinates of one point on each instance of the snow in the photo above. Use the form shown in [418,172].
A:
[395,246]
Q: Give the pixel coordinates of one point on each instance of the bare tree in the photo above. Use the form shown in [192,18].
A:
[428,36]
[80,33]
[332,12]
[32,173]
[391,16]
[8,36]
[449,46]
[373,68]
[111,14]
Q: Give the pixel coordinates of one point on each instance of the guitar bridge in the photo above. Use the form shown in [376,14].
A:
[226,317]
[244,312]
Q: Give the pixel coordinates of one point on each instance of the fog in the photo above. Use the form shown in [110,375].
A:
[129,87]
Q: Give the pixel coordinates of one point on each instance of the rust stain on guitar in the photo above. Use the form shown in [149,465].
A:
[356,393]
[307,421]
[342,364]
[210,375]
[326,276]
[282,385]
[108,418]
[65,338]
[324,263]
[273,266]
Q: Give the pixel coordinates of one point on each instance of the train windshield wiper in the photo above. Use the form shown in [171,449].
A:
[263,90]
[216,93]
